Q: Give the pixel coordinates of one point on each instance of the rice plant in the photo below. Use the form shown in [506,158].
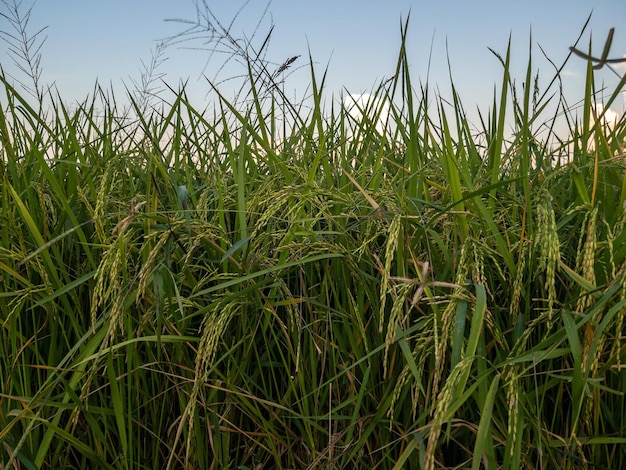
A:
[238,290]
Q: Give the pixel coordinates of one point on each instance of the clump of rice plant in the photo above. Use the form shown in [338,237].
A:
[240,290]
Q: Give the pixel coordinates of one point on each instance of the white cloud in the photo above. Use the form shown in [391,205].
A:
[621,65]
[610,118]
[375,108]
[607,123]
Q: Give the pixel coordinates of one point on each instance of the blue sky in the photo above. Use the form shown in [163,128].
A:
[357,39]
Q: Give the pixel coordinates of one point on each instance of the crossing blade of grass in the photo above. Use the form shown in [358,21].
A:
[475,333]
[118,407]
[459,333]
[240,181]
[264,272]
[452,168]
[496,145]
[357,412]
[416,443]
[90,344]
[483,449]
[315,131]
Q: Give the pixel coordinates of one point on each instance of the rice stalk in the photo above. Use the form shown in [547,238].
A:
[549,249]
[390,249]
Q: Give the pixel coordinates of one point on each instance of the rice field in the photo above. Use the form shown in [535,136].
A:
[286,286]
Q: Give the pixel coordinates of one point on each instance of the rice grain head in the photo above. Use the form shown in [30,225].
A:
[441,332]
[512,398]
[441,406]
[390,249]
[549,248]
[517,282]
[396,317]
[108,277]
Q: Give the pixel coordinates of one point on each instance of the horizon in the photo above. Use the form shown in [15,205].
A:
[355,65]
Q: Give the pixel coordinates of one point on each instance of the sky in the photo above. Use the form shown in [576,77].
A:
[356,41]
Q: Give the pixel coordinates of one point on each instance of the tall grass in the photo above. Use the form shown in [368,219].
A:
[199,291]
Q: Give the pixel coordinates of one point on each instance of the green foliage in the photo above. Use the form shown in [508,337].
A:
[195,292]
